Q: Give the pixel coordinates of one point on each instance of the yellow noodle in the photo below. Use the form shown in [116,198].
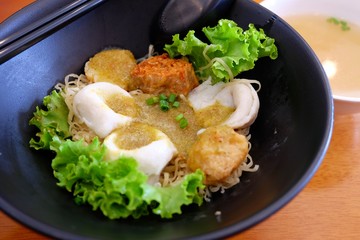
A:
[73,84]
[234,178]
[177,168]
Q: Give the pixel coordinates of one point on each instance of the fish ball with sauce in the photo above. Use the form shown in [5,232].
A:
[218,151]
[113,66]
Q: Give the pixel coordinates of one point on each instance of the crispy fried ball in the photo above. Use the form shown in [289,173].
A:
[161,74]
[112,65]
[218,151]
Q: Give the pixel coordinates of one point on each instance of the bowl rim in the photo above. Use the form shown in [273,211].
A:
[346,99]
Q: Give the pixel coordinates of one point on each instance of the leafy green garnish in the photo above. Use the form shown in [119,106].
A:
[230,52]
[116,188]
[51,121]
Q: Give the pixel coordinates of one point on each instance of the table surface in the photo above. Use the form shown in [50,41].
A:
[328,207]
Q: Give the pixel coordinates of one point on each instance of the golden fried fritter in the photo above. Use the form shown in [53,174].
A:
[218,152]
[112,65]
[161,74]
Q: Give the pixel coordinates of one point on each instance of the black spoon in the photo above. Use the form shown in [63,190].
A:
[179,16]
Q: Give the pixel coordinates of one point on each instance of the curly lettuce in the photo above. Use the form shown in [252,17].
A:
[51,121]
[230,52]
[116,188]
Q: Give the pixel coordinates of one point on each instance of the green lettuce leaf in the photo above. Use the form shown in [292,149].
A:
[230,52]
[51,121]
[170,199]
[117,188]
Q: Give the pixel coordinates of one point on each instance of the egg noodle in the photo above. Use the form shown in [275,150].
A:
[234,178]
[176,169]
[151,53]
[73,84]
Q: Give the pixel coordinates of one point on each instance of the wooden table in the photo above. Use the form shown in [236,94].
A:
[328,207]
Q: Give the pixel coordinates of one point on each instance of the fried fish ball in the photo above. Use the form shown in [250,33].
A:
[112,65]
[162,74]
[218,151]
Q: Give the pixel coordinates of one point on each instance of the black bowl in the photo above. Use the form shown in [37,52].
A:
[289,138]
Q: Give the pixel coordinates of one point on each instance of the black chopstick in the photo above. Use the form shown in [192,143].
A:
[20,39]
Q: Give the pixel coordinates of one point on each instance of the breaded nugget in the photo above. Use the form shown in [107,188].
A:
[218,151]
[161,74]
[112,65]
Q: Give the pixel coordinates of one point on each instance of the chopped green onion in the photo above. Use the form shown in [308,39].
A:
[172,98]
[164,101]
[333,20]
[344,25]
[176,104]
[163,97]
[152,100]
[183,123]
[164,105]
[179,117]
